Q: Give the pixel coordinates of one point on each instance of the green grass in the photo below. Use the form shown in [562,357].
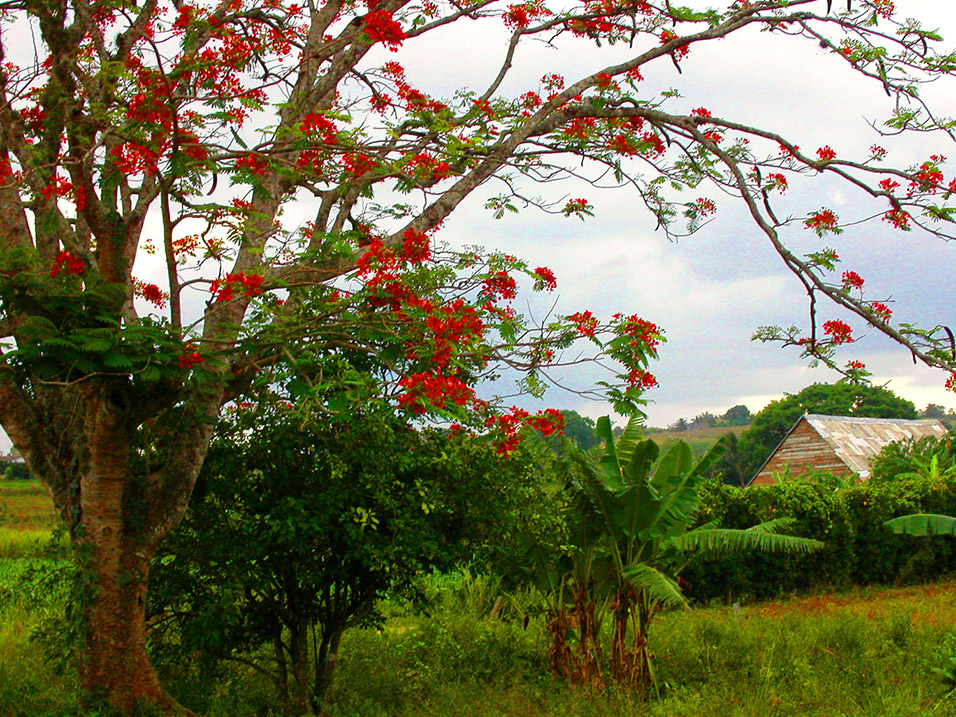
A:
[864,652]
[26,505]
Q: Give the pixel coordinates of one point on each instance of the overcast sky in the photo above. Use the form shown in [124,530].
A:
[712,290]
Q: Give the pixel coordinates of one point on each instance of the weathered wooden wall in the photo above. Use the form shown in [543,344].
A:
[803,450]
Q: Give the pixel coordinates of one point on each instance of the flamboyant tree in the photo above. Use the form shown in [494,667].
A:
[291,183]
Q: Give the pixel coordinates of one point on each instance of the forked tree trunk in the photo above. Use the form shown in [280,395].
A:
[114,550]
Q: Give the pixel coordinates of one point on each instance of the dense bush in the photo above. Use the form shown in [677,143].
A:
[859,550]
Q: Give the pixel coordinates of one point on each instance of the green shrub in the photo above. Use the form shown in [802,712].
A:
[859,549]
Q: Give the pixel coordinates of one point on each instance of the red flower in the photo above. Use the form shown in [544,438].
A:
[852,280]
[585,322]
[68,262]
[705,207]
[888,184]
[898,218]
[826,154]
[881,310]
[544,279]
[416,247]
[701,112]
[190,356]
[824,220]
[641,378]
[500,284]
[224,290]
[951,382]
[838,331]
[380,26]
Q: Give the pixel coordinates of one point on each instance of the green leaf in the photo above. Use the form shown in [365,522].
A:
[656,584]
[922,524]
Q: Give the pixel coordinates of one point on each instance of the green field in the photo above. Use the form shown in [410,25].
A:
[699,439]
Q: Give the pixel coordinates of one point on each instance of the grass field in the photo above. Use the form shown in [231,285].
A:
[699,439]
[863,652]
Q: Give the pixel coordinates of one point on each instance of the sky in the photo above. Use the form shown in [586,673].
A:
[711,290]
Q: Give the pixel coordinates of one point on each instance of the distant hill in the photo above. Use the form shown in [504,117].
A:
[699,439]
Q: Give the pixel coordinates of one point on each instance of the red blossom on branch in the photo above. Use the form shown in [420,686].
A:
[822,221]
[826,154]
[544,279]
[881,310]
[68,263]
[852,280]
[190,356]
[585,323]
[898,218]
[224,290]
[838,331]
[380,26]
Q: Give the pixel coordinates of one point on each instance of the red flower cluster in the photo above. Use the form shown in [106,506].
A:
[826,154]
[416,247]
[225,290]
[641,378]
[316,124]
[881,310]
[499,285]
[254,163]
[520,16]
[951,382]
[585,322]
[429,389]
[152,293]
[132,158]
[67,262]
[604,80]
[898,218]
[357,164]
[190,356]
[576,206]
[838,331]
[640,330]
[679,52]
[546,422]
[380,26]
[59,187]
[544,279]
[424,167]
[877,152]
[928,178]
[852,280]
[888,184]
[855,365]
[777,181]
[700,112]
[824,220]
[705,207]
[622,145]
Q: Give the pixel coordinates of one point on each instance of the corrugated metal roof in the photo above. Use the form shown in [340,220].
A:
[857,440]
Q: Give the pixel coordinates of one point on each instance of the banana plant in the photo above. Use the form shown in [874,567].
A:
[645,507]
[922,524]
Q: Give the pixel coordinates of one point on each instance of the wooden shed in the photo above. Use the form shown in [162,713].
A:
[840,444]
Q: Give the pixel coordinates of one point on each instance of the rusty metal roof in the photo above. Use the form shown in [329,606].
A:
[857,440]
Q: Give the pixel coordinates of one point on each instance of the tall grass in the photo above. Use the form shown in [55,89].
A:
[865,652]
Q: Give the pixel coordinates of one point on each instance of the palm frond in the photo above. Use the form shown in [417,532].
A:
[656,584]
[714,542]
[631,437]
[923,524]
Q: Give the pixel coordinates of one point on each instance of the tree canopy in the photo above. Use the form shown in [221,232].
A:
[289,178]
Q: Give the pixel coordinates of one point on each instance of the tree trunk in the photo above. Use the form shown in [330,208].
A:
[114,666]
[299,647]
[115,541]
